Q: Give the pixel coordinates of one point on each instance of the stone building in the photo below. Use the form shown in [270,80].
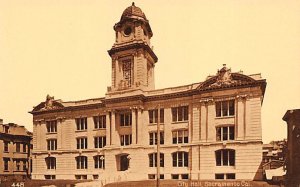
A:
[208,130]
[15,152]
[292,118]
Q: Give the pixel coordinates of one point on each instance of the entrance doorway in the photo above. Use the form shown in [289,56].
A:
[123,162]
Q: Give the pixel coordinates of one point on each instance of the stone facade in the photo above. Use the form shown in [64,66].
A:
[15,152]
[209,130]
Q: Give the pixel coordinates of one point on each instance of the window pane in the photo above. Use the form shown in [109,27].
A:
[180,137]
[174,114]
[230,176]
[186,136]
[218,129]
[151,116]
[218,158]
[225,133]
[225,108]
[174,135]
[180,159]
[180,114]
[218,109]
[186,113]
[231,133]
[231,157]
[225,157]
[219,176]
[162,115]
[231,107]
[174,155]
[186,159]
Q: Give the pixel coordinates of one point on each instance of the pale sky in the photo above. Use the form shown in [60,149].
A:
[60,48]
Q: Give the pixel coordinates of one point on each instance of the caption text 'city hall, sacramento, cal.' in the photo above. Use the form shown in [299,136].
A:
[207,130]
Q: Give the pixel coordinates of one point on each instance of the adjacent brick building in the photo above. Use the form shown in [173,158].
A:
[208,130]
[15,152]
[292,118]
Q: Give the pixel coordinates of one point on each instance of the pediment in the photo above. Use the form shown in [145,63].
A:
[49,104]
[224,78]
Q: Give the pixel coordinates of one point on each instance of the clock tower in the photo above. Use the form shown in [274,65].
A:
[133,59]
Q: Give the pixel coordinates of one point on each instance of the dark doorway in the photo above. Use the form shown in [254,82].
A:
[124,163]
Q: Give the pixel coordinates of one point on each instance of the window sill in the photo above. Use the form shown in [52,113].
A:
[178,122]
[51,133]
[154,124]
[127,126]
[224,117]
[81,130]
[99,129]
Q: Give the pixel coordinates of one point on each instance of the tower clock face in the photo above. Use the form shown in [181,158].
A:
[127,30]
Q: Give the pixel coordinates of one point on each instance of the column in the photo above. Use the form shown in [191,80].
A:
[108,129]
[134,126]
[140,136]
[113,129]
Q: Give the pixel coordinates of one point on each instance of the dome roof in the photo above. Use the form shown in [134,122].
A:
[133,12]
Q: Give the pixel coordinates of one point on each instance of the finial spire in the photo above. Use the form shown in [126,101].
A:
[133,4]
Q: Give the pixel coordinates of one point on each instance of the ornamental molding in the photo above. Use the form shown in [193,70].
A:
[224,79]
[206,101]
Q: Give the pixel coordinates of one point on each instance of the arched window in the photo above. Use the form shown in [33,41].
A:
[225,157]
[180,159]
[99,161]
[51,162]
[81,162]
[153,160]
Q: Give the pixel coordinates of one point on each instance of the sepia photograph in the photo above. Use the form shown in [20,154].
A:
[197,93]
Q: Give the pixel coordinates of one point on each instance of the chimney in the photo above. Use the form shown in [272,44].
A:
[1,121]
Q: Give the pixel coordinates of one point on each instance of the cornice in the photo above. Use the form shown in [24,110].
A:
[146,47]
[144,98]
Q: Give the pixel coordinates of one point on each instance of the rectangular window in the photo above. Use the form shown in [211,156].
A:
[153,160]
[225,157]
[225,176]
[100,122]
[24,147]
[18,147]
[50,177]
[180,136]
[6,163]
[100,141]
[52,144]
[126,119]
[180,159]
[153,116]
[6,143]
[82,143]
[18,165]
[51,162]
[6,128]
[153,176]
[24,165]
[225,133]
[82,162]
[81,124]
[180,114]
[126,139]
[225,108]
[81,177]
[184,176]
[153,138]
[51,126]
[99,161]
[175,176]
